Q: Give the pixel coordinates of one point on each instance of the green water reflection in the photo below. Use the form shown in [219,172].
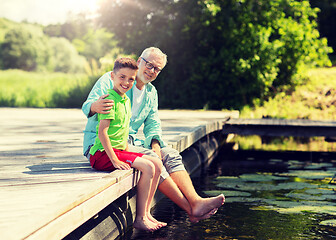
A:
[269,195]
[285,143]
[282,199]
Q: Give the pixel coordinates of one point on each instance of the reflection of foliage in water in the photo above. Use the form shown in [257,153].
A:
[304,194]
[239,222]
[284,143]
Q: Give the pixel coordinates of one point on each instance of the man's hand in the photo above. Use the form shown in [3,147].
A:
[156,147]
[102,105]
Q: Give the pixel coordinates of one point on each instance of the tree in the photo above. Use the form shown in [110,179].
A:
[65,57]
[25,47]
[95,44]
[221,54]
[327,21]
[76,26]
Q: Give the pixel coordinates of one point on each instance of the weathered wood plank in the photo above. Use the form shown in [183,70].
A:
[280,127]
[47,188]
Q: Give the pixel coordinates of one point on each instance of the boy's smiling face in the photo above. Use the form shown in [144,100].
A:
[123,80]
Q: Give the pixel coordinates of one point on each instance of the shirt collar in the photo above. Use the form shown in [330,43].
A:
[116,96]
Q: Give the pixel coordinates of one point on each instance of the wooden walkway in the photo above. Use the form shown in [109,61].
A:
[280,127]
[48,189]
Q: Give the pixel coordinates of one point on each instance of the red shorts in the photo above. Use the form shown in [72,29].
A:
[101,161]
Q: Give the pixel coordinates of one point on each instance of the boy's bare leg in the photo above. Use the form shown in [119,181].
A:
[147,169]
[158,167]
[199,206]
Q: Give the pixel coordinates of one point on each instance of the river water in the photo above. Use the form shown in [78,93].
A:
[269,195]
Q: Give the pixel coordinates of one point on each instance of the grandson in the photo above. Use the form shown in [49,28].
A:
[109,151]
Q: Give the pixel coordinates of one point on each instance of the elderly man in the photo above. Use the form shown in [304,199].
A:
[175,181]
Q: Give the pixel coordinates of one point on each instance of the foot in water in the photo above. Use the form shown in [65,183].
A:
[195,219]
[152,219]
[206,205]
[145,224]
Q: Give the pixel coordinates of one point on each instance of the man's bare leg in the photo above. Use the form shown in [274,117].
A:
[169,188]
[199,206]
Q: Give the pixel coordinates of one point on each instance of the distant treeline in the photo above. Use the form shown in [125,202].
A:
[221,54]
[33,47]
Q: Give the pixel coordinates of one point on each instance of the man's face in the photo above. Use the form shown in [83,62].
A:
[145,74]
[123,80]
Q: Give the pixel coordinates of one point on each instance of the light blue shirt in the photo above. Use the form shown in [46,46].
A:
[148,114]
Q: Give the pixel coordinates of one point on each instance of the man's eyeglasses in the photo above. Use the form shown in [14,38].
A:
[150,66]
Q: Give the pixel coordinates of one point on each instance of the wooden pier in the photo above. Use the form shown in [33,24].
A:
[48,189]
[280,127]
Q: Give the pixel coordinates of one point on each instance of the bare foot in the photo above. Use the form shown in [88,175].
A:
[145,224]
[205,205]
[195,219]
[152,219]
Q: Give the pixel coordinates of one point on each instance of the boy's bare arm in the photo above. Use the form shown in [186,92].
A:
[104,139]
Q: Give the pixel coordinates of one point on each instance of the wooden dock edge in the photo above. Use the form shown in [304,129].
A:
[114,220]
[116,199]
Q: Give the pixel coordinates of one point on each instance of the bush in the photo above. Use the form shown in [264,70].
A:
[25,47]
[65,57]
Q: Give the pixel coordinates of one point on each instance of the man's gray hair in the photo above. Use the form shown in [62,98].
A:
[153,50]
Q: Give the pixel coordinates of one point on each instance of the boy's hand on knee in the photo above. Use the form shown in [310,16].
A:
[120,165]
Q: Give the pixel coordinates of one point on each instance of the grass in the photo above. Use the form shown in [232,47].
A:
[31,89]
[315,100]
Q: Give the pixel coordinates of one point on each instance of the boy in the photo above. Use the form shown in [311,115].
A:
[109,151]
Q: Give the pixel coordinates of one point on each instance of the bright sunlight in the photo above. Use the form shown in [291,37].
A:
[45,11]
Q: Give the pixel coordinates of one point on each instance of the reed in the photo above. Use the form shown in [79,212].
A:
[31,89]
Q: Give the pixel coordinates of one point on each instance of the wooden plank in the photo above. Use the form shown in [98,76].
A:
[279,127]
[47,185]
[56,205]
[67,222]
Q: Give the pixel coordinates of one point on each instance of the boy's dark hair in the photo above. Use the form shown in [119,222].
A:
[124,63]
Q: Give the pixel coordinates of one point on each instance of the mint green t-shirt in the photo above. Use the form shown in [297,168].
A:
[119,126]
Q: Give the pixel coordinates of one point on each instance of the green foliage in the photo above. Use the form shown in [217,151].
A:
[327,21]
[65,57]
[221,54]
[76,26]
[97,46]
[313,100]
[5,25]
[29,89]
[25,47]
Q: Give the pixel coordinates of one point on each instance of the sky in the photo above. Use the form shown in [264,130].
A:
[44,11]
